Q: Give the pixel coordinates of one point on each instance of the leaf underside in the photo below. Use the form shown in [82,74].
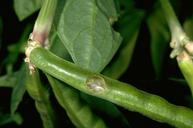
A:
[87,34]
[18,90]
[25,8]
[129,27]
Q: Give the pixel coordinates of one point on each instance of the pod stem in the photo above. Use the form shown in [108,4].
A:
[185,64]
[44,21]
[41,96]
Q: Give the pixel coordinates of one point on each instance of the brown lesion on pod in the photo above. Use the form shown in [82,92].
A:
[96,83]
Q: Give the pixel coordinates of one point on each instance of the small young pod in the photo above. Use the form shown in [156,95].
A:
[186,66]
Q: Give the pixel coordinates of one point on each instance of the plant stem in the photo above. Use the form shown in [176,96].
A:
[183,46]
[41,28]
[179,38]
[112,90]
[34,86]
[172,20]
[44,21]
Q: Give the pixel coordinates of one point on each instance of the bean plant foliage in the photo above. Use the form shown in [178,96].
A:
[87,48]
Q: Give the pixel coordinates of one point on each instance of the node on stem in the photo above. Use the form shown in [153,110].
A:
[31,44]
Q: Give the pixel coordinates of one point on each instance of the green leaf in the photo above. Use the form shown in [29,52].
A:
[127,3]
[124,5]
[59,8]
[87,34]
[108,8]
[129,26]
[56,46]
[8,80]
[18,90]
[25,8]
[17,118]
[188,27]
[7,118]
[159,39]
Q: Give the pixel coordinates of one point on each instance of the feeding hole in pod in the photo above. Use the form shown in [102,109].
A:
[96,83]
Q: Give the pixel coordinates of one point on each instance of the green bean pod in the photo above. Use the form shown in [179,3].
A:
[112,90]
[42,102]
[79,113]
[186,66]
